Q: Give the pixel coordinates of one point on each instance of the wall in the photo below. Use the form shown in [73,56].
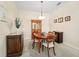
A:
[26,16]
[11,12]
[7,27]
[70,28]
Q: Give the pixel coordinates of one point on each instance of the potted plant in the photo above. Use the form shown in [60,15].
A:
[18,24]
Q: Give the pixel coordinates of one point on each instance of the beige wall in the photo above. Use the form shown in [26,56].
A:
[5,28]
[70,28]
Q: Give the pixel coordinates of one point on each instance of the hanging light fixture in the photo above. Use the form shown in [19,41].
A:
[41,17]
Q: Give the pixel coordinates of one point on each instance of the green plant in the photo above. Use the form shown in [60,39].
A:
[18,23]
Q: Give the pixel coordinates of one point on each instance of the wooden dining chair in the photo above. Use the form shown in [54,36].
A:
[49,42]
[36,40]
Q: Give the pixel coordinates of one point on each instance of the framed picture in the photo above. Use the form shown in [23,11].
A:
[60,20]
[67,18]
[55,20]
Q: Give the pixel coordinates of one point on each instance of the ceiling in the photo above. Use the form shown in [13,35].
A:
[48,6]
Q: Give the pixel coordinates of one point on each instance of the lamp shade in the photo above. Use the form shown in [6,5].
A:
[41,17]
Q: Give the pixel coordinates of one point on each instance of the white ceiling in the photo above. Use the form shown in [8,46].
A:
[48,6]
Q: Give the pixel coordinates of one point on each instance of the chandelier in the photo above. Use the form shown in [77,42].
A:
[41,17]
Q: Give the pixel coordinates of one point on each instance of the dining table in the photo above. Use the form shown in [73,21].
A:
[41,38]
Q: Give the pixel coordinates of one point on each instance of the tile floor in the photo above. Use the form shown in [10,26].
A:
[61,51]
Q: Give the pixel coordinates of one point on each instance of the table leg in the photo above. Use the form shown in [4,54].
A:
[39,46]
